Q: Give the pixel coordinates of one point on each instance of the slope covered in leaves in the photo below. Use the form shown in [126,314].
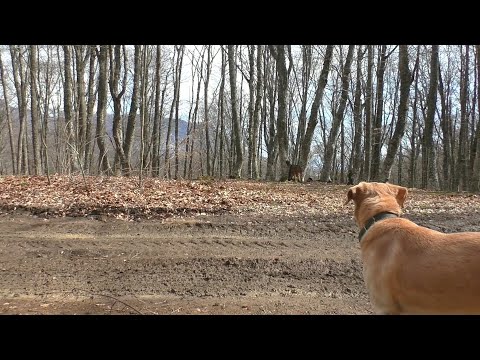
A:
[122,197]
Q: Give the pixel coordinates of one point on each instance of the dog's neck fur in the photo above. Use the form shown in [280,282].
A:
[373,220]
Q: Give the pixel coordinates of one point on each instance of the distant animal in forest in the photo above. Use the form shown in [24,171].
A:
[350,177]
[295,172]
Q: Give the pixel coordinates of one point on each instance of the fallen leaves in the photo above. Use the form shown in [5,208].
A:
[122,198]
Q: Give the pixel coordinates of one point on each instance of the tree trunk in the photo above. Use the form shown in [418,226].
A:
[81,58]
[157,116]
[20,83]
[405,82]
[117,125]
[45,92]
[208,68]
[270,133]
[463,136]
[354,171]
[413,144]
[473,127]
[475,184]
[71,150]
[101,133]
[251,88]
[429,169]
[8,116]
[256,113]
[176,82]
[143,73]
[377,127]
[338,118]
[192,127]
[278,53]
[90,106]
[313,119]
[368,115]
[302,118]
[34,111]
[237,133]
[132,114]
[177,101]
[222,116]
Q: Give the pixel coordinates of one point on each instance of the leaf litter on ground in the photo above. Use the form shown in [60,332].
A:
[122,197]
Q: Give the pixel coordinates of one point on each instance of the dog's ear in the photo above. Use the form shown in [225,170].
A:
[357,191]
[401,195]
[399,192]
[351,194]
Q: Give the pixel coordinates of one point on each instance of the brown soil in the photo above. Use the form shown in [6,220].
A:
[232,263]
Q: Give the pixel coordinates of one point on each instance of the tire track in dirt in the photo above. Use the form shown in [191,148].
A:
[198,262]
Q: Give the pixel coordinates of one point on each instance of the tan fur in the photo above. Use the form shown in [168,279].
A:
[410,269]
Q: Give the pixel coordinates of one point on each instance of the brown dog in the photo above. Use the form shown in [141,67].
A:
[410,269]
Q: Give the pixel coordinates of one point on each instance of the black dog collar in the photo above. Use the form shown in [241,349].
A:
[373,220]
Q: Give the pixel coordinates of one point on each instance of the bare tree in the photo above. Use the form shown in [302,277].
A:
[475,183]
[8,116]
[192,119]
[101,133]
[221,106]
[307,69]
[251,92]
[71,146]
[313,119]
[473,125]
[48,77]
[377,126]
[132,114]
[460,179]
[405,83]
[181,52]
[271,140]
[368,115]
[157,117]
[117,125]
[82,55]
[354,171]
[237,135]
[208,70]
[20,82]
[143,113]
[448,162]
[90,106]
[173,107]
[338,118]
[278,53]
[413,142]
[34,110]
[429,169]
[256,114]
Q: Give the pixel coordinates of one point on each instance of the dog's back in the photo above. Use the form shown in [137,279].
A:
[415,270]
[410,269]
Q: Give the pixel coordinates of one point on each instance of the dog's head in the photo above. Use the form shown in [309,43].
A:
[371,198]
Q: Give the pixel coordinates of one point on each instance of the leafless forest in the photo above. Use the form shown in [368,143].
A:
[409,113]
